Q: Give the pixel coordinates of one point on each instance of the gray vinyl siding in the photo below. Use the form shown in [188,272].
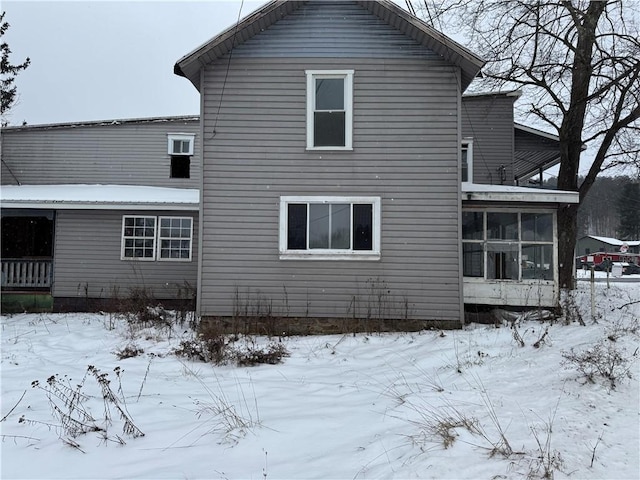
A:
[127,153]
[331,29]
[406,144]
[87,258]
[488,120]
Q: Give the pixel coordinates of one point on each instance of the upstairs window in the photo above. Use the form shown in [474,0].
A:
[329,109]
[180,167]
[330,227]
[180,143]
[467,160]
[180,149]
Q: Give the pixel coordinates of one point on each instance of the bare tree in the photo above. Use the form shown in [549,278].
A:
[578,64]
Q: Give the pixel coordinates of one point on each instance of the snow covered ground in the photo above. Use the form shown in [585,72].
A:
[483,402]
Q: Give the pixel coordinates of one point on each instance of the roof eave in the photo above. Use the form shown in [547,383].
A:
[190,64]
[72,205]
[475,192]
[536,170]
[469,63]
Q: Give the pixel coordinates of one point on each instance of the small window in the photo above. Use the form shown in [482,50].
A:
[180,166]
[175,238]
[467,160]
[330,227]
[138,238]
[180,143]
[329,109]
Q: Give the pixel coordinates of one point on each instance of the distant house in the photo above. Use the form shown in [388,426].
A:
[336,178]
[592,244]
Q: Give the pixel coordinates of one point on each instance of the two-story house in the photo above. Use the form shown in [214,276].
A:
[334,155]
[337,179]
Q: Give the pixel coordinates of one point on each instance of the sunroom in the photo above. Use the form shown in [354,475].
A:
[510,245]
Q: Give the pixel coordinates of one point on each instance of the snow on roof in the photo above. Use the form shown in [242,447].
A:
[103,123]
[117,197]
[508,193]
[615,241]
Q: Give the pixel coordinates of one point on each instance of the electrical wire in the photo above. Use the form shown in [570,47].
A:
[226,73]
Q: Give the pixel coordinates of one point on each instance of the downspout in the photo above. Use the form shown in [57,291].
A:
[201,199]
[459,187]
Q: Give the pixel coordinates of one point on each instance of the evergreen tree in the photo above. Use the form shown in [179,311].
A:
[629,211]
[8,71]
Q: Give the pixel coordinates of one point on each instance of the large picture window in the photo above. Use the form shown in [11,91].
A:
[330,227]
[329,109]
[150,238]
[507,245]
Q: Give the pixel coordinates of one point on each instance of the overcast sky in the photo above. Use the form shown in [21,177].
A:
[110,59]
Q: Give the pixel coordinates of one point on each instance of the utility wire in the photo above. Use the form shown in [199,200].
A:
[226,73]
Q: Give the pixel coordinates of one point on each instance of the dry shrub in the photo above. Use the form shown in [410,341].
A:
[222,350]
[214,350]
[605,359]
[129,351]
[251,355]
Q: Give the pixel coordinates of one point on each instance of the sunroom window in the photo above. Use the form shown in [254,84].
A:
[329,109]
[329,227]
[507,245]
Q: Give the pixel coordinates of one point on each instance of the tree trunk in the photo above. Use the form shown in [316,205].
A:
[567,230]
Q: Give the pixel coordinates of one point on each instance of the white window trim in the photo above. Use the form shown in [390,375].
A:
[160,237]
[180,136]
[468,143]
[122,240]
[156,241]
[373,254]
[347,75]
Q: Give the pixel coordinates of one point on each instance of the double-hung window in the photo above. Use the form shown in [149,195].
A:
[329,109]
[150,238]
[328,228]
[507,245]
[180,149]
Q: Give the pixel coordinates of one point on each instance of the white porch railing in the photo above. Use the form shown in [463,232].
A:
[26,273]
